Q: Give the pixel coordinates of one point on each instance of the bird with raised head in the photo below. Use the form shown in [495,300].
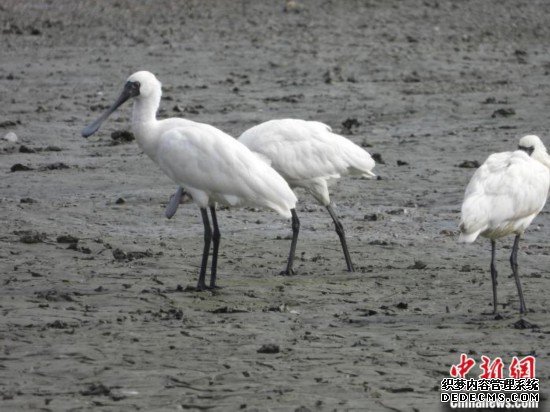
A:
[212,166]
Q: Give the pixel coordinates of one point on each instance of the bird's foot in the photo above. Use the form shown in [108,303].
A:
[201,287]
[522,310]
[287,272]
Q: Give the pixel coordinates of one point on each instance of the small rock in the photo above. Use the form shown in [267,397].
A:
[292,6]
[119,254]
[396,212]
[27,200]
[378,243]
[418,264]
[332,75]
[31,236]
[350,122]
[138,255]
[372,217]
[269,348]
[227,309]
[503,113]
[402,163]
[54,296]
[67,239]
[95,390]
[58,324]
[10,137]
[402,305]
[26,149]
[56,166]
[122,136]
[489,100]
[120,201]
[18,167]
[524,324]
[73,246]
[9,123]
[469,164]
[369,312]
[412,78]
[378,158]
[447,232]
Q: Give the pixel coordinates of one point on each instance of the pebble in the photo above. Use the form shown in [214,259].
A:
[10,137]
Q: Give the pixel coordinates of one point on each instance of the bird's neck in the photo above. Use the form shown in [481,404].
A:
[144,122]
[542,156]
[145,109]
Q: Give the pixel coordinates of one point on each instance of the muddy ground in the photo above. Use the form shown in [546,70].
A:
[95,313]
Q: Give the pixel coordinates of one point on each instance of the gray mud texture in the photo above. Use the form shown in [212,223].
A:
[97,312]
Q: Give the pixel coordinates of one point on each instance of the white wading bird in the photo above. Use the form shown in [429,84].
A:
[308,155]
[503,197]
[211,165]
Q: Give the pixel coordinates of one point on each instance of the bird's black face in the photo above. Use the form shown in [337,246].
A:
[529,150]
[131,89]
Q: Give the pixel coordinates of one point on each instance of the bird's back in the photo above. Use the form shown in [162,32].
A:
[212,165]
[303,150]
[503,196]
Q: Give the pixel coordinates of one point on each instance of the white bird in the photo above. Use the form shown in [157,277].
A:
[211,165]
[503,197]
[308,155]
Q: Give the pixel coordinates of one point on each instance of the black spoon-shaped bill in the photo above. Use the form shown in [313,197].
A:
[131,89]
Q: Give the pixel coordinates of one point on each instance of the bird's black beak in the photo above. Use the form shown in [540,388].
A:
[131,89]
[529,150]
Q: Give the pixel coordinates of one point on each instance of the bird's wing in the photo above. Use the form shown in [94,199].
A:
[508,186]
[303,150]
[204,158]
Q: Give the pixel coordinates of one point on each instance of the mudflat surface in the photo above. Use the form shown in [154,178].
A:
[104,321]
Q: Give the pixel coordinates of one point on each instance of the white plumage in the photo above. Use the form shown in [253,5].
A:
[214,167]
[211,165]
[309,155]
[504,196]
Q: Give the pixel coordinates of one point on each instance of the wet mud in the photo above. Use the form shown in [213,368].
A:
[97,309]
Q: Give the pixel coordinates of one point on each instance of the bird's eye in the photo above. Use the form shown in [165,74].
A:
[137,84]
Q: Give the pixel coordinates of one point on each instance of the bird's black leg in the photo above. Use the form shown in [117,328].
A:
[514,264]
[216,243]
[340,231]
[295,230]
[494,276]
[207,238]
